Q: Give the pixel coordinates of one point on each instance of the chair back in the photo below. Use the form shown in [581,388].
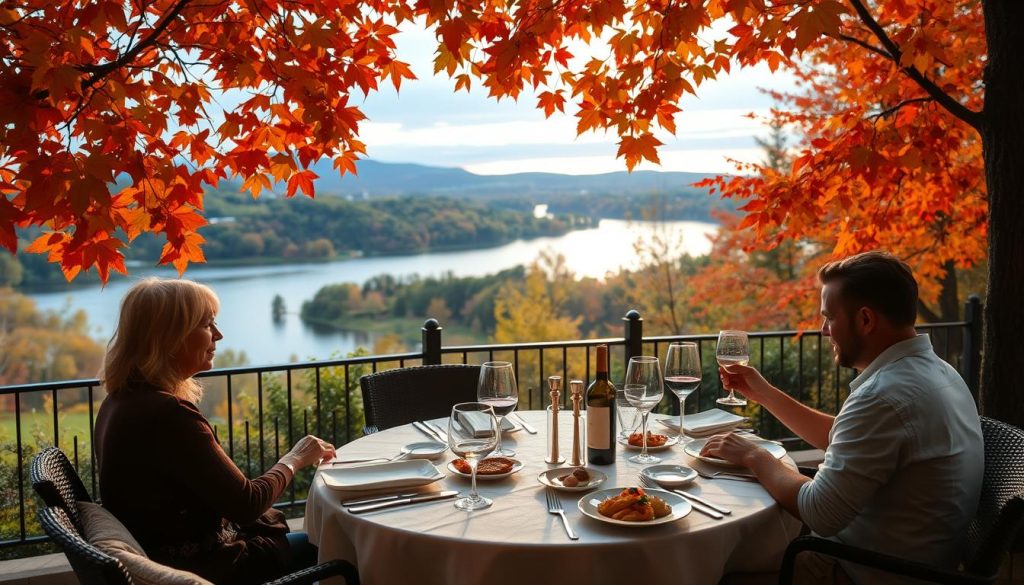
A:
[401,396]
[91,566]
[1001,508]
[57,483]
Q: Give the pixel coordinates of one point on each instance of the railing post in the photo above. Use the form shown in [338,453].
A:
[970,359]
[634,335]
[431,334]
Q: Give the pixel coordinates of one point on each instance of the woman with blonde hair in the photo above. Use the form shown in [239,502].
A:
[162,471]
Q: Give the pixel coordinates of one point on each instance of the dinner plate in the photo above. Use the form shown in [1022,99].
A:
[669,475]
[395,474]
[489,476]
[693,449]
[550,478]
[680,507]
[624,441]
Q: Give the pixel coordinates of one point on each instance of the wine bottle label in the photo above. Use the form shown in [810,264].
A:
[599,435]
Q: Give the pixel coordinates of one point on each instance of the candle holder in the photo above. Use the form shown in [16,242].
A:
[555,387]
[576,391]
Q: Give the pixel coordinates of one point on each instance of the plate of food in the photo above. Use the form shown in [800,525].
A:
[488,468]
[693,449]
[634,506]
[572,479]
[655,442]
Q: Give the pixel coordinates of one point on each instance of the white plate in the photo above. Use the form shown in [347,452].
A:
[550,478]
[381,475]
[693,449]
[486,477]
[680,507]
[624,441]
[669,475]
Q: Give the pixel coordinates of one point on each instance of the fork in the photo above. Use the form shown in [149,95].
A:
[555,507]
[699,504]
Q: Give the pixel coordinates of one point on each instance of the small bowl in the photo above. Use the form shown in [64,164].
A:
[424,450]
[670,475]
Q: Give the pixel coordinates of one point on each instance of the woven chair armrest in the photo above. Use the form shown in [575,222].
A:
[321,571]
[873,559]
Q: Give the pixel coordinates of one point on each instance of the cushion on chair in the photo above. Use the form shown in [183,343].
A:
[106,533]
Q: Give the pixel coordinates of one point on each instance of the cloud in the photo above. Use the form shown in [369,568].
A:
[429,123]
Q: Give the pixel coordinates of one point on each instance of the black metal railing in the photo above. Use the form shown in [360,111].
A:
[260,411]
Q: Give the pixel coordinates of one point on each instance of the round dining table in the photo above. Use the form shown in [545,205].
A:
[517,541]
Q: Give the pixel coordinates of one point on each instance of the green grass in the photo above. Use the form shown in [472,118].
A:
[40,424]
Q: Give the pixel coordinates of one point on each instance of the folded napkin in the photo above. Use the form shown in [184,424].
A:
[707,423]
[476,422]
[351,496]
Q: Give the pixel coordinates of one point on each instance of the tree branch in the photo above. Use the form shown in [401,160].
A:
[101,71]
[947,101]
[894,109]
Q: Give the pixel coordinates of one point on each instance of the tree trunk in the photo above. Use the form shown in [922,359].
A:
[1002,391]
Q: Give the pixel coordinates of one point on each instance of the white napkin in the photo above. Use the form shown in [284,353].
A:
[476,422]
[705,423]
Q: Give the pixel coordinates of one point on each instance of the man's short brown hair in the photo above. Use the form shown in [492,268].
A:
[877,280]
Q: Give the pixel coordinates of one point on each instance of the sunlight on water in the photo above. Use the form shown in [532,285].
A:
[246,292]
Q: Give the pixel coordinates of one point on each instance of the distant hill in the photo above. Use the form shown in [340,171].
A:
[381,179]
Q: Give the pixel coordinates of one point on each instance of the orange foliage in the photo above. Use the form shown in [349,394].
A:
[103,91]
[880,164]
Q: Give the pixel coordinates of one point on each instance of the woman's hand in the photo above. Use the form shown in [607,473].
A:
[309,450]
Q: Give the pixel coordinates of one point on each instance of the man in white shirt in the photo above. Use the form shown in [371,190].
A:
[903,458]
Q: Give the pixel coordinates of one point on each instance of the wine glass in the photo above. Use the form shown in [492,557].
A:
[497,388]
[628,415]
[471,441]
[644,389]
[733,348]
[682,375]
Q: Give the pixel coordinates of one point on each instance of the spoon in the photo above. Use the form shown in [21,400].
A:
[420,450]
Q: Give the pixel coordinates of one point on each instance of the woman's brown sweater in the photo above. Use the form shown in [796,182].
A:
[163,474]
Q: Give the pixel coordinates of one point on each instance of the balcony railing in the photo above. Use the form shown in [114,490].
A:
[258,412]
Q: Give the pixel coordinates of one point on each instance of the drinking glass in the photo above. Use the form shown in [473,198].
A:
[682,375]
[497,388]
[472,442]
[733,348]
[644,389]
[628,415]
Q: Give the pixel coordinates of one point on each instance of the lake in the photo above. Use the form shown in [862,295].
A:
[246,292]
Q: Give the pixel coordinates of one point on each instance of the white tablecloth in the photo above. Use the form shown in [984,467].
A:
[516,541]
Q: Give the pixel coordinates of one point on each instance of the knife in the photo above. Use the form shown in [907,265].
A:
[376,499]
[428,431]
[526,425]
[702,502]
[440,434]
[705,510]
[403,501]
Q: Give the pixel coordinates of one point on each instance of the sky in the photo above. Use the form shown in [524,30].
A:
[428,123]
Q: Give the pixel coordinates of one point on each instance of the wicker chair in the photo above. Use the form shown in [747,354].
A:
[57,483]
[990,534]
[401,396]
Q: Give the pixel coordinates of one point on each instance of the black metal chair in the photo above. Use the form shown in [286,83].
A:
[401,396]
[57,483]
[990,534]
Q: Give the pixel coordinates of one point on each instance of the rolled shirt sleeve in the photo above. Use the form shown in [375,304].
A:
[868,443]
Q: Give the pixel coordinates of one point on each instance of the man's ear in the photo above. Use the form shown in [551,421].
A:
[866,319]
